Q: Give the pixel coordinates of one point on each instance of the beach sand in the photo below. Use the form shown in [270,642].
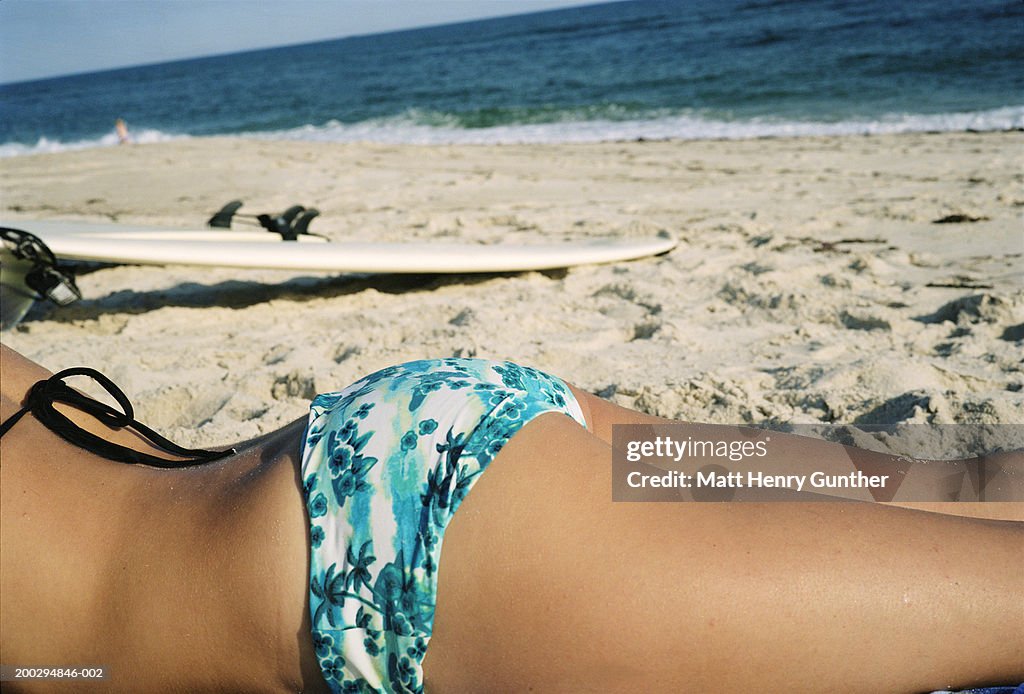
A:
[830,279]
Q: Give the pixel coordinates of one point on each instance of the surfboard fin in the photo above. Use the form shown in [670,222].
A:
[289,224]
[301,225]
[222,219]
[282,223]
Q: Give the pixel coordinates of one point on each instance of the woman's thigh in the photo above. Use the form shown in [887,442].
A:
[545,583]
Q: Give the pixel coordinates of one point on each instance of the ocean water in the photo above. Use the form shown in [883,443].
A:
[646,69]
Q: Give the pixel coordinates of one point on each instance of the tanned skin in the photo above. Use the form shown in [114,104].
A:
[196,579]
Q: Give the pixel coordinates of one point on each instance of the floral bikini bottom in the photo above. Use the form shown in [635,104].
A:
[386,463]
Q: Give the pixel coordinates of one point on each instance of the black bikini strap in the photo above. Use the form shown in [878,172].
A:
[44,394]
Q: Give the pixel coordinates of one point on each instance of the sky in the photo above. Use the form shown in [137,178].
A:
[47,38]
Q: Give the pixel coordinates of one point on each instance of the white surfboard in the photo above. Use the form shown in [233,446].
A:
[48,229]
[129,244]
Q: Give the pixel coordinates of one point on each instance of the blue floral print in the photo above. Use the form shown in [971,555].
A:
[385,465]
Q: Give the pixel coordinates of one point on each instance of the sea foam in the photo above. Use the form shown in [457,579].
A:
[46,145]
[422,128]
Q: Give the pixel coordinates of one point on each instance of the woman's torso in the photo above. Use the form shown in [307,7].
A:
[189,579]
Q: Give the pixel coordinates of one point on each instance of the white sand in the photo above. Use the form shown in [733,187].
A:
[811,283]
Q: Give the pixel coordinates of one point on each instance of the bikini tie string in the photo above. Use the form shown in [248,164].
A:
[40,402]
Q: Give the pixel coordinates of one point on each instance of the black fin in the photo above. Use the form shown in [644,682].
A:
[301,225]
[222,220]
